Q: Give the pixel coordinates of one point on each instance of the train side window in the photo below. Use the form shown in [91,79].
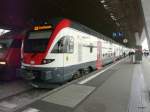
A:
[58,48]
[91,49]
[64,45]
[5,44]
[103,55]
[69,44]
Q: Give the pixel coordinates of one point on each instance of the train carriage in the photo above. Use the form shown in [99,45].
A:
[56,53]
[10,54]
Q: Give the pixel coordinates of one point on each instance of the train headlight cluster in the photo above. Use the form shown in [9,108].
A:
[2,62]
[46,61]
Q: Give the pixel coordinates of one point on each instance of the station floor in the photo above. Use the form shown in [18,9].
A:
[121,87]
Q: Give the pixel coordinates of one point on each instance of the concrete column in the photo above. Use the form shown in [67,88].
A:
[145,10]
[143,37]
[147,36]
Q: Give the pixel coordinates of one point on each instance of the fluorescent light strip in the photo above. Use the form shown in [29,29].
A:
[105,5]
[3,31]
[102,1]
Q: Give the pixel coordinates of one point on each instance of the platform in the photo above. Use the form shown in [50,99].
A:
[121,87]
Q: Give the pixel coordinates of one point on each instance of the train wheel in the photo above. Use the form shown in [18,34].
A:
[82,72]
[90,69]
[76,75]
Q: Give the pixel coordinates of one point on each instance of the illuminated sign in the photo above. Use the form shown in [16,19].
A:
[44,27]
[117,34]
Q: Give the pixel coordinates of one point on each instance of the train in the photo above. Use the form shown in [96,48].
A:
[10,54]
[60,50]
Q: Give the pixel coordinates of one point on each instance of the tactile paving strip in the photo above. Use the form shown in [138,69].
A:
[70,96]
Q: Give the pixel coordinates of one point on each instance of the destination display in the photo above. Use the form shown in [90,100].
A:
[42,27]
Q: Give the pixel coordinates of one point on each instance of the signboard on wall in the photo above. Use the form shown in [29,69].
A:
[117,34]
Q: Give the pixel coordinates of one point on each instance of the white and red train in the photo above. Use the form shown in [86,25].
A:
[56,52]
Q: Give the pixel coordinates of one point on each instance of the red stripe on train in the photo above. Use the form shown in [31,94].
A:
[28,57]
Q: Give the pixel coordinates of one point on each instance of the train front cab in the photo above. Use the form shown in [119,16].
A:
[51,67]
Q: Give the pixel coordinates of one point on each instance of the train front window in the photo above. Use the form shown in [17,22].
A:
[5,44]
[37,41]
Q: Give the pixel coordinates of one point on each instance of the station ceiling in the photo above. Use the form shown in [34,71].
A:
[104,16]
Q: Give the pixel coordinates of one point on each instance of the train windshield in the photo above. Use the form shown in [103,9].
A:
[5,44]
[37,41]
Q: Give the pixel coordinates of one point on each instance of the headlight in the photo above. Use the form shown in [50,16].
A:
[2,62]
[46,61]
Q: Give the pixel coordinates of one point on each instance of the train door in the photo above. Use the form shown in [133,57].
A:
[57,54]
[99,51]
[79,52]
[68,58]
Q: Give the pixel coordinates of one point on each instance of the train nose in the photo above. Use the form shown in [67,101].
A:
[28,75]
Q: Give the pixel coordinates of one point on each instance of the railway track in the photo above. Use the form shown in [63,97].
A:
[11,88]
[19,99]
[11,103]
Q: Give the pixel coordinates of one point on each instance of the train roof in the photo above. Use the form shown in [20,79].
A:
[55,21]
[90,31]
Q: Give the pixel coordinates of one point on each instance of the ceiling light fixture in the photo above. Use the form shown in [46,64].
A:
[111,14]
[105,5]
[102,1]
[117,24]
